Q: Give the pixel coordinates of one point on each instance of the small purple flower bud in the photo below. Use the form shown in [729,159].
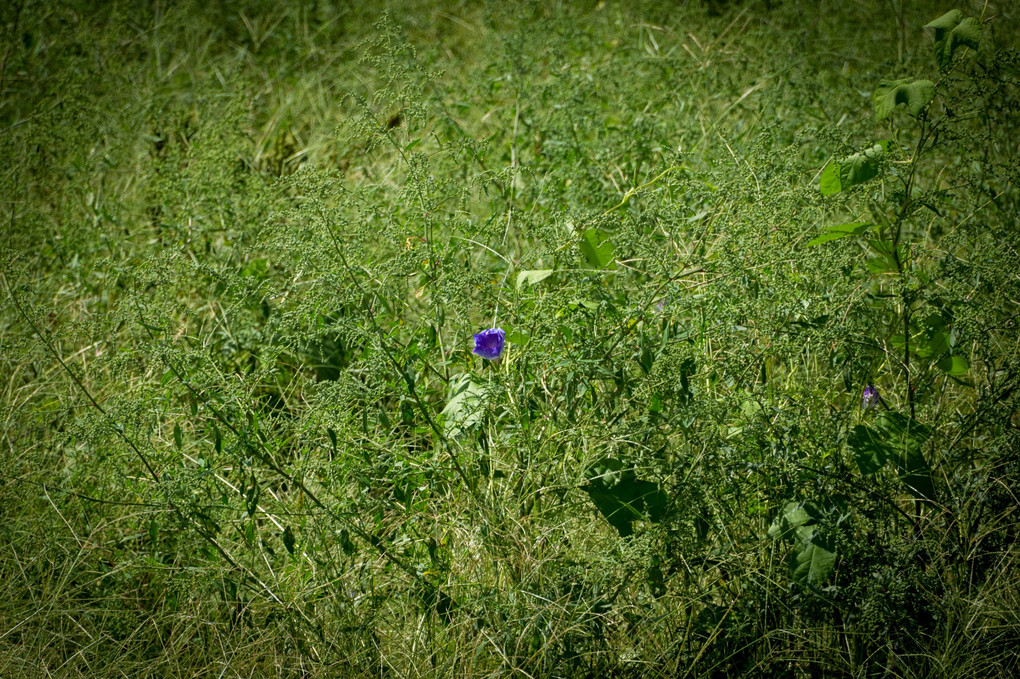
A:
[871,397]
[489,343]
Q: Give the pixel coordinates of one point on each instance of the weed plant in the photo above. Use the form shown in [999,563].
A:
[755,405]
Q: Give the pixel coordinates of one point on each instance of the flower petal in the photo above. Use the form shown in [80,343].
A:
[489,343]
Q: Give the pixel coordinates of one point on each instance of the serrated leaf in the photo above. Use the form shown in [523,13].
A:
[885,262]
[901,430]
[840,175]
[933,340]
[870,450]
[954,365]
[944,23]
[465,406]
[829,182]
[914,94]
[813,561]
[792,518]
[621,497]
[597,249]
[533,277]
[909,436]
[899,439]
[838,231]
[953,31]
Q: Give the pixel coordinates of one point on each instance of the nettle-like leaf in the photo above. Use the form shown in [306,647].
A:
[870,451]
[899,439]
[621,497]
[840,175]
[597,249]
[886,257]
[954,365]
[793,522]
[533,277]
[914,94]
[813,561]
[813,556]
[952,31]
[465,406]
[838,231]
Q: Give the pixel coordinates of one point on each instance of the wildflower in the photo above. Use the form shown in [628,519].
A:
[871,397]
[489,343]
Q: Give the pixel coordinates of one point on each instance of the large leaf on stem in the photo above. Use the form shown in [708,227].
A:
[838,231]
[899,439]
[813,557]
[840,175]
[466,404]
[952,31]
[621,497]
[597,249]
[914,94]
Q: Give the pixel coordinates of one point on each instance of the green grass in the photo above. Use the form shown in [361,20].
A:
[247,247]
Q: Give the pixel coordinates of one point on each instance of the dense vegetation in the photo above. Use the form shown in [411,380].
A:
[756,405]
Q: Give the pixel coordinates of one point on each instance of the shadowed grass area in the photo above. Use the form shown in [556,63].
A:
[756,410]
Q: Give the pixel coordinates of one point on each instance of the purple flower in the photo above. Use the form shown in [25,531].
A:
[489,343]
[871,398]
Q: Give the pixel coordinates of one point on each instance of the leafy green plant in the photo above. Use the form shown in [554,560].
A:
[521,339]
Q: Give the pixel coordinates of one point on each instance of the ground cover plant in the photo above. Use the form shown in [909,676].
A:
[512,339]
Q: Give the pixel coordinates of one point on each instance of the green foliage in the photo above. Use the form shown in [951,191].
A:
[243,429]
[597,249]
[621,497]
[914,94]
[852,170]
[952,31]
[838,231]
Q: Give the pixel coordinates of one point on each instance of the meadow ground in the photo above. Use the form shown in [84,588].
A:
[562,339]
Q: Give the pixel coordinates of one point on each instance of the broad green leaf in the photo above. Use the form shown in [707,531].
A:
[905,438]
[915,94]
[932,341]
[869,449]
[879,265]
[954,365]
[793,522]
[952,31]
[813,558]
[900,430]
[829,181]
[597,249]
[621,497]
[533,277]
[465,406]
[885,262]
[840,175]
[178,437]
[813,561]
[915,473]
[840,231]
[518,337]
